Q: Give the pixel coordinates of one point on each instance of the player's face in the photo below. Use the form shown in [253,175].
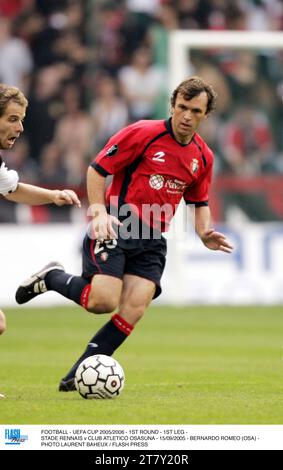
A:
[11,124]
[187,116]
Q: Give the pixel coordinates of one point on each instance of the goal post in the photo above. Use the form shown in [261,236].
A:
[181,43]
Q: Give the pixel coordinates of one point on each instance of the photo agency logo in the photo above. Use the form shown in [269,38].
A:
[146,221]
[14,437]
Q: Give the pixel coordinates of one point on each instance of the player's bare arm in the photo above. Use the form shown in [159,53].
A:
[102,228]
[14,191]
[34,195]
[210,238]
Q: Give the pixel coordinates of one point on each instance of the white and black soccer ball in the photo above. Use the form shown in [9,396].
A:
[99,376]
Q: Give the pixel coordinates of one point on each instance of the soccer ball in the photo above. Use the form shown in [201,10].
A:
[99,376]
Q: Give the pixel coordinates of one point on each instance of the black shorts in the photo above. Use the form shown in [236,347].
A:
[143,258]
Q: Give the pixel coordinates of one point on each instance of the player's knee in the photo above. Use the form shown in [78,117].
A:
[101,305]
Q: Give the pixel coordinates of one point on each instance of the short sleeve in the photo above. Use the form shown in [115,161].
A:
[120,151]
[9,180]
[198,194]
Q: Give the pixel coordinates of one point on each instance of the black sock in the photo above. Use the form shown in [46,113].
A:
[105,341]
[69,286]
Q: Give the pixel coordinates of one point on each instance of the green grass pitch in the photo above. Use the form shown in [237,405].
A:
[193,365]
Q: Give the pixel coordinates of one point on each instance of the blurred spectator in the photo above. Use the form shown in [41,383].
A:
[45,108]
[75,15]
[141,82]
[210,131]
[68,48]
[12,8]
[73,135]
[28,25]
[48,7]
[216,15]
[204,67]
[236,18]
[147,7]
[165,21]
[247,142]
[241,70]
[109,111]
[15,58]
[264,15]
[106,37]
[144,10]
[193,14]
[51,170]
[116,36]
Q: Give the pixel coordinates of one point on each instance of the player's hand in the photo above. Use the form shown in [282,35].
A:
[216,241]
[102,227]
[65,197]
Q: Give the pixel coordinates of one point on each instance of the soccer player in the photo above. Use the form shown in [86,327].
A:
[13,106]
[154,164]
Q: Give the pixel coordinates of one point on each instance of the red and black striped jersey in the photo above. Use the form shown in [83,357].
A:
[151,167]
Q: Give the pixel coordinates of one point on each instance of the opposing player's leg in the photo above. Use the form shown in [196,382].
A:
[136,295]
[2,322]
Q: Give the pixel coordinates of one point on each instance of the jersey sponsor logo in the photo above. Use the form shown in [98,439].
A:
[176,184]
[156,181]
[112,151]
[194,165]
[158,157]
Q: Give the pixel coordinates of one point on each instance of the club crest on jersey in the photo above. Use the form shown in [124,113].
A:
[194,165]
[110,152]
[156,181]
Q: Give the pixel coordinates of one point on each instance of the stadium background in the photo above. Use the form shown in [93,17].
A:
[90,68]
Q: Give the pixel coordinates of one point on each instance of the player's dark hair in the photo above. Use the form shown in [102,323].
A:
[193,87]
[11,93]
